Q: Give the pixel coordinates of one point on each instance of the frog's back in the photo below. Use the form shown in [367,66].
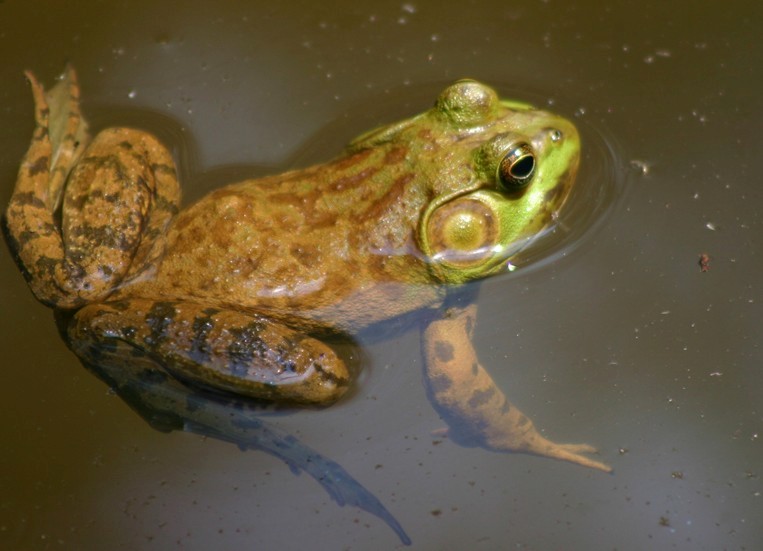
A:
[306,240]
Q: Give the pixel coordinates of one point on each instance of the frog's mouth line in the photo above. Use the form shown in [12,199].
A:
[486,258]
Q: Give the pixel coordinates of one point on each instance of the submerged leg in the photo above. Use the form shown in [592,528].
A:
[472,403]
[242,353]
[167,405]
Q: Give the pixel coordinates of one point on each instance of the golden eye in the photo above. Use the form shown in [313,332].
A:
[517,167]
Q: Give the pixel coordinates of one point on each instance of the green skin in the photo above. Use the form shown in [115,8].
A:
[236,291]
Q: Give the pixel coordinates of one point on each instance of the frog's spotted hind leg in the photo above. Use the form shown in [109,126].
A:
[472,404]
[118,194]
[244,353]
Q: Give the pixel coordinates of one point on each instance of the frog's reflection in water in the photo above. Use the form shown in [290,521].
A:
[167,405]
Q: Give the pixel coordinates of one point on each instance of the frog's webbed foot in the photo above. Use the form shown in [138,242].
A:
[59,137]
[116,194]
[518,434]
[61,134]
[531,442]
[573,454]
[474,407]
[225,350]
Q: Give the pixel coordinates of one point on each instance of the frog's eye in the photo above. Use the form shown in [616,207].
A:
[517,167]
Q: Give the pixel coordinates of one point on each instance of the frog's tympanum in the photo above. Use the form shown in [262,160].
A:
[241,291]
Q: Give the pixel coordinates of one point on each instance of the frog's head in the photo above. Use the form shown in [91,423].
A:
[499,172]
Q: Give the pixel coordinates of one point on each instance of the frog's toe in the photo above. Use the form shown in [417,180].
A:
[572,453]
[579,448]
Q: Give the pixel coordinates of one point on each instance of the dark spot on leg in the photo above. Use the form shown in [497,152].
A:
[443,350]
[246,344]
[200,350]
[440,383]
[28,198]
[475,369]
[158,320]
[106,236]
[481,397]
[39,166]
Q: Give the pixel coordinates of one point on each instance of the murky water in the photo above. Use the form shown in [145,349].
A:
[616,338]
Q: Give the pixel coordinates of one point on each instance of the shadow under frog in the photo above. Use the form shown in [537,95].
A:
[238,291]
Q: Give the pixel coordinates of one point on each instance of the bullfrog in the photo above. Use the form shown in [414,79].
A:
[243,291]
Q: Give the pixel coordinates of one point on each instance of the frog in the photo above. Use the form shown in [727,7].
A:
[243,291]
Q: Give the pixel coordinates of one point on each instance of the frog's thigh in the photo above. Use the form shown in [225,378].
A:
[472,403]
[238,352]
[119,198]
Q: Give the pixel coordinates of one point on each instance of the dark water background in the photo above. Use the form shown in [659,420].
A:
[622,342]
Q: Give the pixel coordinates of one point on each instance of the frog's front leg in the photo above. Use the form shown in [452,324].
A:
[120,194]
[468,397]
[239,352]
